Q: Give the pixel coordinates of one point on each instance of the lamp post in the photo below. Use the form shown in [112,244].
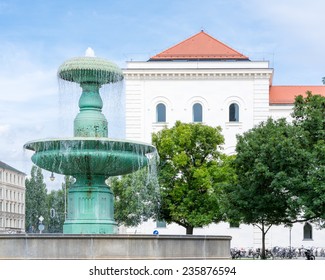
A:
[290,228]
[65,201]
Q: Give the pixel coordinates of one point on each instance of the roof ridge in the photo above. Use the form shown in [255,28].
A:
[180,43]
[220,42]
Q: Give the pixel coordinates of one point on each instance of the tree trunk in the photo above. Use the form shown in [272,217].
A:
[263,256]
[189,230]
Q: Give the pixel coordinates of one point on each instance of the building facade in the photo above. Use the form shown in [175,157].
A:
[203,80]
[12,199]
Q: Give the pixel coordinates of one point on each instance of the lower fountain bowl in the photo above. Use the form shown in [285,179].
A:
[90,155]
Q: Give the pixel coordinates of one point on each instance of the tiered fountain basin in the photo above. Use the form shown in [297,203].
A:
[90,69]
[90,156]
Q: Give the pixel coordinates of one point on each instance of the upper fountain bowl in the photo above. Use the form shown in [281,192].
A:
[90,70]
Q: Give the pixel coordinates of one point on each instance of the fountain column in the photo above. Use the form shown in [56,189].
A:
[90,122]
[90,200]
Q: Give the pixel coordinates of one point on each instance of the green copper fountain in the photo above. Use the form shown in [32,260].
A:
[90,156]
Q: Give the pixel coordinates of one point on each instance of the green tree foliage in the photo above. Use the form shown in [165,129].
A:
[271,166]
[191,174]
[314,197]
[309,114]
[55,206]
[35,203]
[136,197]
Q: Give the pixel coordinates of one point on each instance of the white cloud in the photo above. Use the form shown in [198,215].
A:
[28,103]
[26,86]
[4,129]
[295,21]
[291,31]
[22,77]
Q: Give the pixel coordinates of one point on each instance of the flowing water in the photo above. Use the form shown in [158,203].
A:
[88,158]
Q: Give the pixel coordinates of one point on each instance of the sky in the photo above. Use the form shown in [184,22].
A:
[37,36]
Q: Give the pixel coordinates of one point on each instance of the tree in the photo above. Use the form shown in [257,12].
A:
[271,165]
[313,199]
[55,206]
[309,114]
[136,197]
[35,203]
[191,173]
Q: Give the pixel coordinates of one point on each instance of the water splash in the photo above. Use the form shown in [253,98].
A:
[90,52]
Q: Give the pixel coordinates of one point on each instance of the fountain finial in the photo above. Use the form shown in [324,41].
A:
[90,52]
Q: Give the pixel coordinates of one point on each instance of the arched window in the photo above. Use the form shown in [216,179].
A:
[161,112]
[308,231]
[197,112]
[161,224]
[234,112]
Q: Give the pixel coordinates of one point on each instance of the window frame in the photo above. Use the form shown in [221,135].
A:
[194,112]
[161,106]
[233,112]
[161,224]
[307,232]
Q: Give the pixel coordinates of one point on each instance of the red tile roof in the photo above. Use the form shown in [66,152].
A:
[286,94]
[200,47]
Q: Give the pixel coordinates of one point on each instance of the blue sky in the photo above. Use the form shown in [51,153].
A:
[36,36]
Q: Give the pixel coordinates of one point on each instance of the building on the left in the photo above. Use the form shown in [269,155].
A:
[12,199]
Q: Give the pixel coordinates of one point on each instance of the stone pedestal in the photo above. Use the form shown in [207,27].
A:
[90,207]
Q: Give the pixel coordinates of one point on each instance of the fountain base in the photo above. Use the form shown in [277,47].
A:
[118,247]
[90,207]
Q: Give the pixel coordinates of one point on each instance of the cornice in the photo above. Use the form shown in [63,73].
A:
[197,74]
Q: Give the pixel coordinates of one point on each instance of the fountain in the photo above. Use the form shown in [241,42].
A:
[90,156]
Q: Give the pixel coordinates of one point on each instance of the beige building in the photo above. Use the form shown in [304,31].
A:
[12,199]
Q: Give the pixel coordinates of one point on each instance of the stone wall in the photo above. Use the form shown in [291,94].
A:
[68,246]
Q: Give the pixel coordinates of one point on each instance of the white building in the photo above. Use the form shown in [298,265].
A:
[12,199]
[203,80]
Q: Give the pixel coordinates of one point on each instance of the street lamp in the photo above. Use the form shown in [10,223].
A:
[41,226]
[290,229]
[52,177]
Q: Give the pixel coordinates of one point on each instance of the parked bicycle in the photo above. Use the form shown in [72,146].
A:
[237,254]
[309,255]
[278,252]
[258,254]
